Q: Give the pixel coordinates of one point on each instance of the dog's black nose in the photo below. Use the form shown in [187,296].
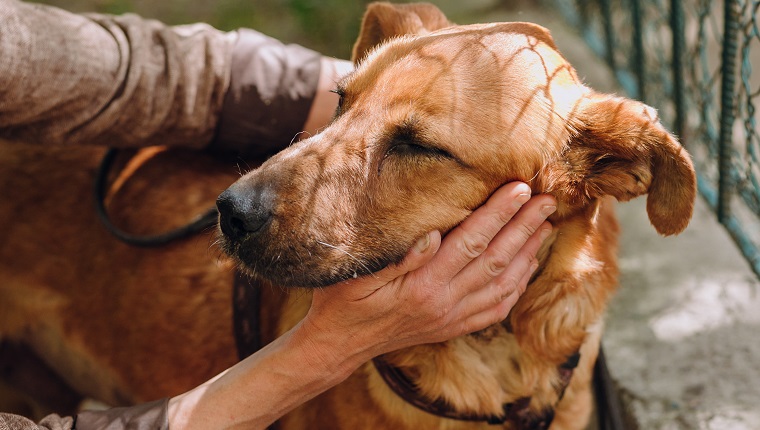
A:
[244,210]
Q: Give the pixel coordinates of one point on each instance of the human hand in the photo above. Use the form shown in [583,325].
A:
[441,289]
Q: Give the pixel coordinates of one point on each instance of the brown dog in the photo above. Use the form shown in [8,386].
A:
[430,124]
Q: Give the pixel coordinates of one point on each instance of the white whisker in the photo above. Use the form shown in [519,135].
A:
[349,254]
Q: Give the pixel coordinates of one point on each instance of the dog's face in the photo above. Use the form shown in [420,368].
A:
[429,125]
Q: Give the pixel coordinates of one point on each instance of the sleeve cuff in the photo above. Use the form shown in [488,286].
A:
[147,416]
[272,87]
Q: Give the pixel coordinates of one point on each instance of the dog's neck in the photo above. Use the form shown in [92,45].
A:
[480,373]
[507,362]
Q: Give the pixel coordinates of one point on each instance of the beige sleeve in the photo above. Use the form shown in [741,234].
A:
[125,81]
[147,416]
[51,422]
[117,81]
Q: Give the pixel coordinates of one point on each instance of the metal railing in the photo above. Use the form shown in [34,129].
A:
[693,60]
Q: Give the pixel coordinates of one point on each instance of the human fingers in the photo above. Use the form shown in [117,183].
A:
[507,245]
[513,279]
[468,240]
[489,316]
[493,304]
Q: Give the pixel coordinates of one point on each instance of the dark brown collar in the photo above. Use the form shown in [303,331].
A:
[517,412]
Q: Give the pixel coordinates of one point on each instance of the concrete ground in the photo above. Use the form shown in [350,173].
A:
[682,339]
[682,333]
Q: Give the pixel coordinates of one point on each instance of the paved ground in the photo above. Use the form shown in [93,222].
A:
[682,333]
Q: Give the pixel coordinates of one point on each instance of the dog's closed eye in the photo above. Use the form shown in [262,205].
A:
[408,141]
[403,149]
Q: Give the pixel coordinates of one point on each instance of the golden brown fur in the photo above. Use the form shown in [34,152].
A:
[490,103]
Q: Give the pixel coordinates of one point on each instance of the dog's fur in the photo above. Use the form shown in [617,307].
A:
[430,124]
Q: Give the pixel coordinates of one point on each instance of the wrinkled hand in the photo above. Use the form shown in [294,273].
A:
[440,290]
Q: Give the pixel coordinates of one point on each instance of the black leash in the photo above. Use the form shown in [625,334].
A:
[197,225]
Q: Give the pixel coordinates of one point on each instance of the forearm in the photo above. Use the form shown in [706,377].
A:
[265,386]
[124,81]
[117,81]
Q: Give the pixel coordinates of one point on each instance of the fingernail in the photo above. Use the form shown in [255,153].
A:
[523,196]
[533,268]
[521,199]
[423,243]
[544,234]
[547,210]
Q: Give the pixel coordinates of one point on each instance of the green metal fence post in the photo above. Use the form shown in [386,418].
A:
[638,50]
[679,46]
[725,143]
[609,33]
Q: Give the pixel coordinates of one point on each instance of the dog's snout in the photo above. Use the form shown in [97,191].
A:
[243,211]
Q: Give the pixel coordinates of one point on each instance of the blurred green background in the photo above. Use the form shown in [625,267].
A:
[328,26]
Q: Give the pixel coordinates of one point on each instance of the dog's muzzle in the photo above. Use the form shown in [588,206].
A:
[244,211]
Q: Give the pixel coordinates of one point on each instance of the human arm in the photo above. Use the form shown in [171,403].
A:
[125,81]
[439,291]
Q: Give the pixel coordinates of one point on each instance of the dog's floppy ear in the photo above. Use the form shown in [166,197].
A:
[383,21]
[619,148]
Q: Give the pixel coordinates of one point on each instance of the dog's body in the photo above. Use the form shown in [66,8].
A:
[102,313]
[430,125]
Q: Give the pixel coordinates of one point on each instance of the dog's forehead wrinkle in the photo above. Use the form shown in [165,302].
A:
[511,86]
[410,53]
[408,129]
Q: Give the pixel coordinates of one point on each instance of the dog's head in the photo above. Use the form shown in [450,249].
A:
[435,118]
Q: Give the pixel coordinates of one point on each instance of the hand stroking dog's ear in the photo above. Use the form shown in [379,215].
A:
[383,21]
[620,148]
